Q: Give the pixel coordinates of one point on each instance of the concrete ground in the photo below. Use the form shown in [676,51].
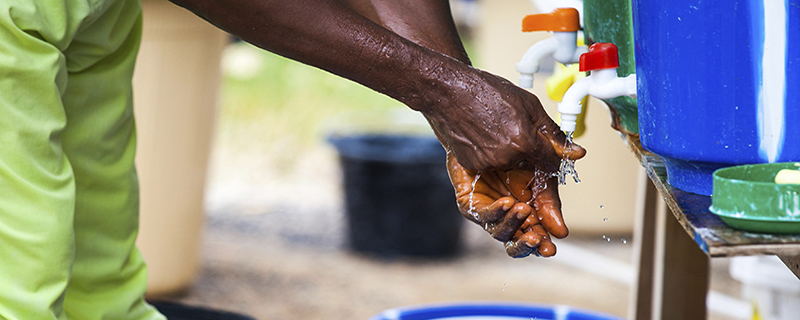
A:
[274,245]
[275,248]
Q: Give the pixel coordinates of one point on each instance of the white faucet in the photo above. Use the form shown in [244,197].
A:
[603,83]
[563,46]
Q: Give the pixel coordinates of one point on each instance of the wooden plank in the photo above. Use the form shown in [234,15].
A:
[793,263]
[644,235]
[709,232]
[680,272]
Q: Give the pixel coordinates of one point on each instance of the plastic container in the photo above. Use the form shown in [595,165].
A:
[714,84]
[398,196]
[481,311]
[747,197]
[175,98]
[772,288]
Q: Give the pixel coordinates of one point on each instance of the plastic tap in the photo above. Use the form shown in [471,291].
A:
[557,85]
[563,46]
[603,83]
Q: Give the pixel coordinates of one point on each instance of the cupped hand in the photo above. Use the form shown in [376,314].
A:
[490,124]
[518,207]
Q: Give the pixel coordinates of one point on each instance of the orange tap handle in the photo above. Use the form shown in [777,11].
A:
[561,19]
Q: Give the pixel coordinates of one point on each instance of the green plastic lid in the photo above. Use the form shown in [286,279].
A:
[747,197]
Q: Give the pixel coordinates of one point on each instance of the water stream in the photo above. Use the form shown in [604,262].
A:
[567,167]
[472,195]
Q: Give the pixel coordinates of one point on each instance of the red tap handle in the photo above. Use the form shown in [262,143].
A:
[601,55]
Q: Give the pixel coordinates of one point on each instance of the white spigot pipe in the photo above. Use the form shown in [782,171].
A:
[530,61]
[563,46]
[601,84]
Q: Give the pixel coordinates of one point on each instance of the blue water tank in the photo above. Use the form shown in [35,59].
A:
[717,84]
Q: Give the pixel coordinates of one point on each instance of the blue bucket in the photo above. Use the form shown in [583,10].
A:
[717,84]
[491,312]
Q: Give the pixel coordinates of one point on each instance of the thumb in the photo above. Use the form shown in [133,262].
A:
[564,148]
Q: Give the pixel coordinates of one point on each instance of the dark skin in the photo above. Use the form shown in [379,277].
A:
[503,201]
[410,51]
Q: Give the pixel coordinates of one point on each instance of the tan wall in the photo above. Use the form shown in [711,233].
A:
[175,95]
[609,172]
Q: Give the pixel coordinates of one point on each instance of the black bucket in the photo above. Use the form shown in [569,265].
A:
[398,196]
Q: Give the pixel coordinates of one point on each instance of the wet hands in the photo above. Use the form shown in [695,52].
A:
[518,207]
[491,124]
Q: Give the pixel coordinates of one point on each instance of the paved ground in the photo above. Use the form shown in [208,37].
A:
[252,268]
[275,248]
[275,245]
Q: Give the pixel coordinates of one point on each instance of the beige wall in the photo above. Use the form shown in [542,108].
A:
[609,172]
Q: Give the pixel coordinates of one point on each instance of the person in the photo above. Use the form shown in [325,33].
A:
[69,209]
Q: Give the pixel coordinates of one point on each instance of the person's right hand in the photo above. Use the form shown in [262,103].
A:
[519,208]
[490,124]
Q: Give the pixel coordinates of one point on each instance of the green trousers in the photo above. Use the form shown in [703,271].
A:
[68,187]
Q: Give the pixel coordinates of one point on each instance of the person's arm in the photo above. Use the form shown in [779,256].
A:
[428,23]
[501,202]
[487,122]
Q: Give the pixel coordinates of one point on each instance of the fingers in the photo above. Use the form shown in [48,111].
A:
[482,209]
[547,249]
[548,210]
[508,226]
[515,249]
[534,241]
[558,140]
[499,202]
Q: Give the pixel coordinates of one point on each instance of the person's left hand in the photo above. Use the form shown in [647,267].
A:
[518,207]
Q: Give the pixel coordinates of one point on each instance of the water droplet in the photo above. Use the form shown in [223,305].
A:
[608,239]
[602,206]
[604,237]
[504,287]
[624,241]
[605,219]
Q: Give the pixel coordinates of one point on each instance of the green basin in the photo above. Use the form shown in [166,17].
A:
[747,197]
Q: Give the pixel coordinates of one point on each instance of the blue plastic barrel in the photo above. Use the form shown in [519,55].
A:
[480,311]
[717,84]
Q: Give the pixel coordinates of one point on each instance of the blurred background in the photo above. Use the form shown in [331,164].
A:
[243,199]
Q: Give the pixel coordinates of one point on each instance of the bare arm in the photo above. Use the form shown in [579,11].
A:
[487,122]
[428,23]
[410,50]
[328,35]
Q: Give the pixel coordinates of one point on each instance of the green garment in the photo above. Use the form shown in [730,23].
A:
[68,188]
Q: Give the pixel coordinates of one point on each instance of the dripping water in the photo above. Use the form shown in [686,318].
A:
[472,196]
[567,167]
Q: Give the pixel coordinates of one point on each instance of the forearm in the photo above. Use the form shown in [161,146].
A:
[328,35]
[428,23]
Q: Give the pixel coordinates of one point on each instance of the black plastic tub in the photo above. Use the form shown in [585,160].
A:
[398,196]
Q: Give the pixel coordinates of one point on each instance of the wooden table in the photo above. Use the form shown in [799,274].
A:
[673,268]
